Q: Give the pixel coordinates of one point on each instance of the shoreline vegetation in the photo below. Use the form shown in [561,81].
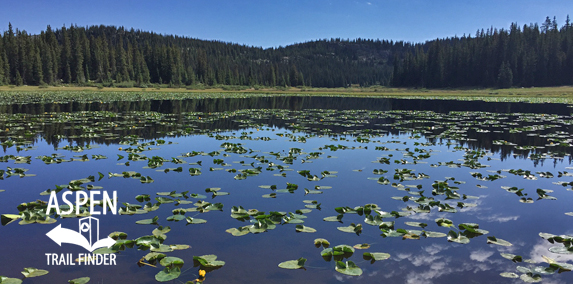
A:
[12,94]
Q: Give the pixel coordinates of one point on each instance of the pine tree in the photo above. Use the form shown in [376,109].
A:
[66,57]
[505,76]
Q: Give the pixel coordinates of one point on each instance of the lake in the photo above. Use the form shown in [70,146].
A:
[367,190]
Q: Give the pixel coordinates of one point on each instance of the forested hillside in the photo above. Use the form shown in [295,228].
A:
[531,55]
[523,57]
[106,54]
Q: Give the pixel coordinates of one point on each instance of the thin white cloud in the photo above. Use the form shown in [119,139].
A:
[480,255]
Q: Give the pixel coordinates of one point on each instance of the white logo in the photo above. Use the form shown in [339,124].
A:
[86,237]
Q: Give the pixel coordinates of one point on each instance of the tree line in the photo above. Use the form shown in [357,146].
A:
[111,55]
[526,56]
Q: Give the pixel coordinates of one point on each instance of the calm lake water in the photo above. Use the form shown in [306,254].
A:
[503,166]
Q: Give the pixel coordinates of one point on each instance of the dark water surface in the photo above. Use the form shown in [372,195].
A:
[340,141]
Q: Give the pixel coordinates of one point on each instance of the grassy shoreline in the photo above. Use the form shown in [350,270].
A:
[563,94]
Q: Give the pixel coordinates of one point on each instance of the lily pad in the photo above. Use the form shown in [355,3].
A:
[361,246]
[305,229]
[191,220]
[530,278]
[509,275]
[416,224]
[6,280]
[293,264]
[494,240]
[321,242]
[172,261]
[348,268]
[82,280]
[457,237]
[444,222]
[208,261]
[33,272]
[374,256]
[168,274]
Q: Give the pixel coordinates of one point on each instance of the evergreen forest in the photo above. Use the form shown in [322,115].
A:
[521,56]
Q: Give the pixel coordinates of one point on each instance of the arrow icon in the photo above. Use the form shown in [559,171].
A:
[62,235]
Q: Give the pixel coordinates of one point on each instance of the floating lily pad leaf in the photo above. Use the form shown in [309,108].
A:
[416,224]
[352,228]
[168,274]
[561,250]
[569,213]
[198,196]
[494,240]
[172,261]
[143,197]
[162,248]
[160,232]
[509,275]
[561,266]
[208,261]
[293,264]
[544,270]
[163,200]
[311,191]
[431,234]
[147,241]
[9,218]
[195,171]
[268,186]
[344,249]
[82,280]
[33,272]
[348,268]
[148,221]
[270,195]
[191,220]
[471,230]
[321,242]
[530,278]
[302,211]
[526,200]
[153,257]
[6,280]
[374,256]
[305,229]
[237,232]
[444,222]
[361,246]
[337,218]
[175,218]
[393,233]
[313,206]
[104,250]
[543,194]
[220,193]
[212,189]
[118,235]
[512,257]
[458,238]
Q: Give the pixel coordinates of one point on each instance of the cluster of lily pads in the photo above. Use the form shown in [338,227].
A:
[403,141]
[339,253]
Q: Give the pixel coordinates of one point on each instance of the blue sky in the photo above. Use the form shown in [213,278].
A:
[271,23]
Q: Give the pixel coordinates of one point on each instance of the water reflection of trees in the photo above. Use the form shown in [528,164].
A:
[175,119]
[287,102]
